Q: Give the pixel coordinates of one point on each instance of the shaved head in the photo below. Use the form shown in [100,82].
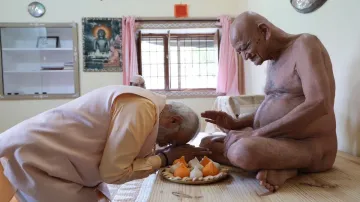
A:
[245,25]
[250,35]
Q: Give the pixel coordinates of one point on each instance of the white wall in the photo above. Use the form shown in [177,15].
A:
[337,25]
[13,112]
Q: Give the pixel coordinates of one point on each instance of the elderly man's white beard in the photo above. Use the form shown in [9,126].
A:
[163,132]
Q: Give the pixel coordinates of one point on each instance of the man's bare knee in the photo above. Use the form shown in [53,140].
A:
[243,154]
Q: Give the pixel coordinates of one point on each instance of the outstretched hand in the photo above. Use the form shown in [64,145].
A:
[220,118]
[188,151]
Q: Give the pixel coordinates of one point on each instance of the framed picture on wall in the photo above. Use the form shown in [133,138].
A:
[48,42]
[102,44]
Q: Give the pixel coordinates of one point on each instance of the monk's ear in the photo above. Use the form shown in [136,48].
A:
[264,31]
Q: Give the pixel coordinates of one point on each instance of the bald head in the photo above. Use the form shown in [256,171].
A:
[245,25]
[137,80]
[250,35]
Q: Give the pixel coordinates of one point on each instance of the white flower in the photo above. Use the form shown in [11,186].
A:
[195,173]
[195,163]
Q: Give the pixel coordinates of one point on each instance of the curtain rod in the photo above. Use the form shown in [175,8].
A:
[151,19]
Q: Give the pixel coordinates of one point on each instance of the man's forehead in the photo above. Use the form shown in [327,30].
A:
[241,35]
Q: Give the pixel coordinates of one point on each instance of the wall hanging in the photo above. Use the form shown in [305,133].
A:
[102,44]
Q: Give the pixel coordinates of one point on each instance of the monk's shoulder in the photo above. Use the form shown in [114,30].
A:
[307,42]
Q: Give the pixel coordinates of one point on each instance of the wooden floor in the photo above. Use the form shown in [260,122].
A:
[342,183]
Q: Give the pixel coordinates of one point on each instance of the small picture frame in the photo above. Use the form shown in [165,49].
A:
[48,42]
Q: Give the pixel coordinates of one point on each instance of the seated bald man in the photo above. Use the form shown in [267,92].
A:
[293,130]
[107,135]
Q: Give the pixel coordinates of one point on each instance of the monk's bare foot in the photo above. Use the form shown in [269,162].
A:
[273,179]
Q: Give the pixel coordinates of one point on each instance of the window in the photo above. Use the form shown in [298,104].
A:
[193,62]
[153,61]
[179,61]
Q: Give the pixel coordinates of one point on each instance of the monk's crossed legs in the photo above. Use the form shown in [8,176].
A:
[275,159]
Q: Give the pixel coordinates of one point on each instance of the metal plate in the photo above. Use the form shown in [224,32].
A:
[307,6]
[36,9]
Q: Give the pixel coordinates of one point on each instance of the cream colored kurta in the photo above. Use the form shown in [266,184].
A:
[63,154]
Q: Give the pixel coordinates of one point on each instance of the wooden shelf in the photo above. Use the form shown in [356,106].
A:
[37,49]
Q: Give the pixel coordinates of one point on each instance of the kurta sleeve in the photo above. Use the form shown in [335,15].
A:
[133,119]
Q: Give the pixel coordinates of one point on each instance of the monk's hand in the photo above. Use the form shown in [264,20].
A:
[233,136]
[188,151]
[220,118]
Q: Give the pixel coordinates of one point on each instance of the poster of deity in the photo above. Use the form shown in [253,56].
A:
[102,44]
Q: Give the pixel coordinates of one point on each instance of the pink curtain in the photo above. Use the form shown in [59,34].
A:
[228,75]
[129,54]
